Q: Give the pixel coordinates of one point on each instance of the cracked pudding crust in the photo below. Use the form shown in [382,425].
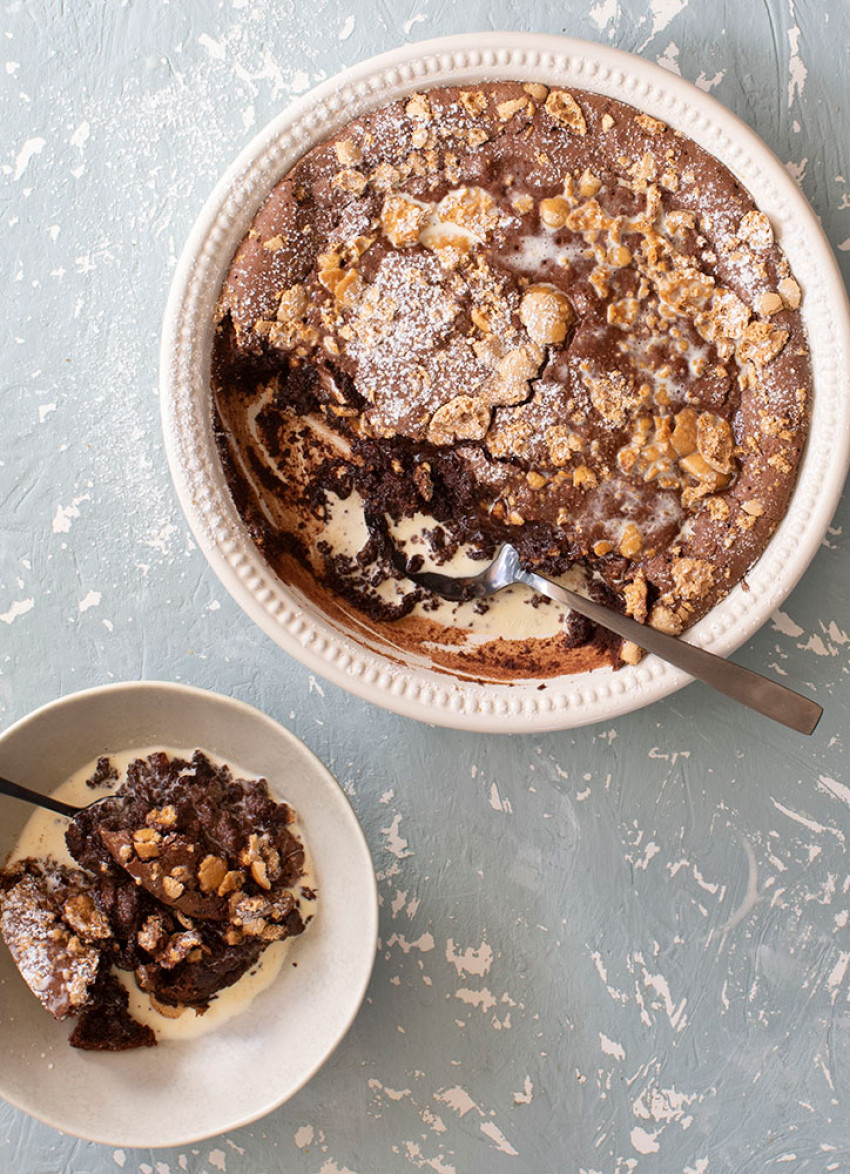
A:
[511,313]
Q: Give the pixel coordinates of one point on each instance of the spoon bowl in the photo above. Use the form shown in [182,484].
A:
[749,688]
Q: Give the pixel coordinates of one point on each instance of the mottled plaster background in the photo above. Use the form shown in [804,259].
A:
[624,948]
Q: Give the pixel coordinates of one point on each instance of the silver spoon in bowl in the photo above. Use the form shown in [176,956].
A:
[16,791]
[753,690]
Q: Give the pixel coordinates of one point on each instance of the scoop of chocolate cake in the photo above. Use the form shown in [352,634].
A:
[186,878]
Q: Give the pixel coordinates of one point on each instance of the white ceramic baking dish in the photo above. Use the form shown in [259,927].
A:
[412,687]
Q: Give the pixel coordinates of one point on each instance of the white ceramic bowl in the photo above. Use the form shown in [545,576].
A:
[412,688]
[182,1091]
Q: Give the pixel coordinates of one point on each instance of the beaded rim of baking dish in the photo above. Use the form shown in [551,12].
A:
[415,689]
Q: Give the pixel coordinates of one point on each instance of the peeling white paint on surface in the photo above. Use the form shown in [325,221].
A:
[92,599]
[796,67]
[611,1047]
[643,1141]
[709,83]
[840,790]
[414,1155]
[527,1095]
[490,1129]
[458,1100]
[218,1159]
[780,622]
[498,803]
[119,1158]
[669,59]
[658,983]
[65,514]
[811,824]
[662,12]
[484,998]
[347,28]
[424,943]
[395,843]
[604,13]
[330,1167]
[838,973]
[303,1136]
[80,136]
[473,960]
[19,608]
[29,150]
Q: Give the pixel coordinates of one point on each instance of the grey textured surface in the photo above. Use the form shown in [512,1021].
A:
[619,949]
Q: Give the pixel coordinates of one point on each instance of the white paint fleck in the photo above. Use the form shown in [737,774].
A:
[91,600]
[64,514]
[414,1155]
[30,148]
[604,13]
[395,844]
[483,998]
[424,943]
[838,972]
[780,622]
[832,786]
[527,1095]
[218,1160]
[417,19]
[644,1142]
[617,996]
[304,1136]
[797,171]
[347,28]
[80,136]
[44,411]
[471,961]
[457,1099]
[708,83]
[490,1129]
[796,68]
[658,983]
[811,824]
[669,59]
[611,1047]
[19,608]
[499,804]
[119,1158]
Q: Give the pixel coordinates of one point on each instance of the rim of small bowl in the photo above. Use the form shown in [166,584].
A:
[370,923]
[412,688]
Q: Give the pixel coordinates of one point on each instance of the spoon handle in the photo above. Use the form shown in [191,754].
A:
[759,693]
[16,791]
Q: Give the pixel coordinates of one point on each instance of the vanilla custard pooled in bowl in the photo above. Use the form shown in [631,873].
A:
[510,313]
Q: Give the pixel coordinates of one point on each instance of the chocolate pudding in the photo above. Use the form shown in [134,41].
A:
[187,876]
[510,313]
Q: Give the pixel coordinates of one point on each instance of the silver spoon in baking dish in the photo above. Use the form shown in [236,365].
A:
[751,689]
